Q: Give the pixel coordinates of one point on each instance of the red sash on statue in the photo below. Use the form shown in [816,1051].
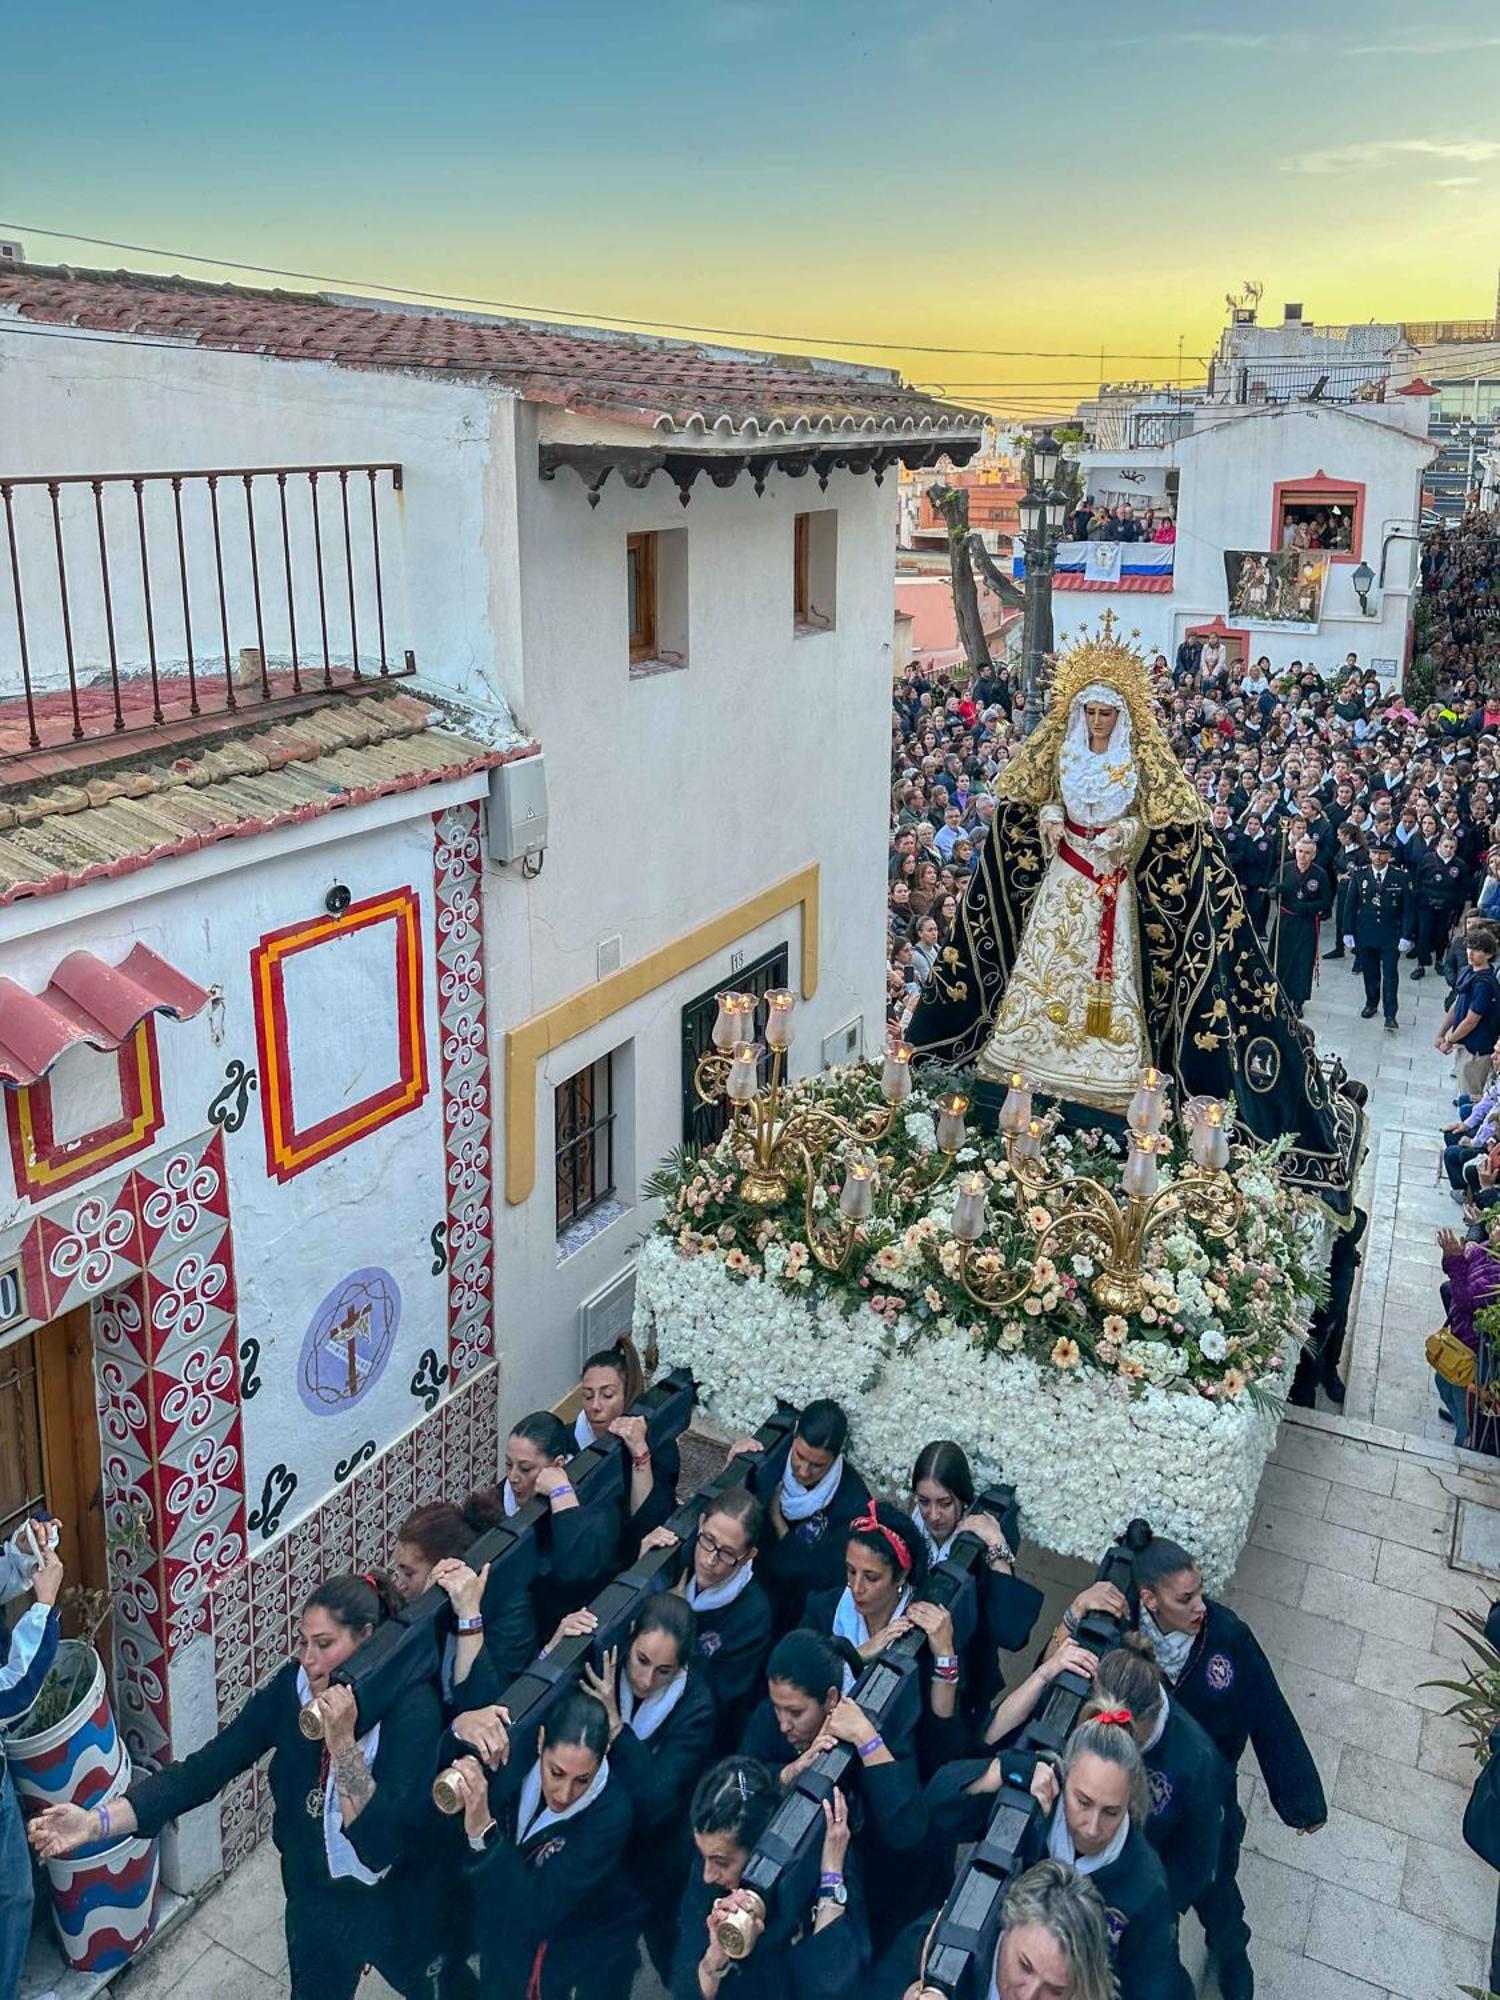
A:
[1100,1007]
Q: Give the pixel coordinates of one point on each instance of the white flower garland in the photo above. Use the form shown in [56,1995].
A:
[1083,1452]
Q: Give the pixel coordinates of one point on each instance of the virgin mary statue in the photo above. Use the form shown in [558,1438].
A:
[1104,931]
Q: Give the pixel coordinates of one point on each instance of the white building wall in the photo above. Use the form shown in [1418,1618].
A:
[1228,475]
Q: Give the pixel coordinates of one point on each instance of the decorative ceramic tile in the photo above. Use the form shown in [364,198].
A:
[468,1150]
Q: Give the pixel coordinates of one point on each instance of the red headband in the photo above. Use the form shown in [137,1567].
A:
[1121,1717]
[367,1576]
[868,1524]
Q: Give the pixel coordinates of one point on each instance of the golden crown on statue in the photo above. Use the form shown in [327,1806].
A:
[1104,657]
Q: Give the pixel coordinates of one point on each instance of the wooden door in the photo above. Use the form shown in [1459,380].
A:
[49,1447]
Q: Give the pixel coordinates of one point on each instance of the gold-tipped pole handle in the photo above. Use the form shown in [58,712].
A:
[737,1931]
[310,1721]
[447,1792]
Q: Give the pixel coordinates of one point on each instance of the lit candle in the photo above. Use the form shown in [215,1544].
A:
[1148,1107]
[1209,1141]
[951,1135]
[743,1080]
[780,1006]
[854,1202]
[1015,1112]
[1140,1175]
[1028,1144]
[735,1010]
[969,1217]
[895,1077]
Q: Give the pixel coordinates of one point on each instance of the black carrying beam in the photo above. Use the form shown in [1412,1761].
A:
[408,1648]
[548,1678]
[961,1950]
[782,1870]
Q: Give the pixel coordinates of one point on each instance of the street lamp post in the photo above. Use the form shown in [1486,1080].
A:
[1041,508]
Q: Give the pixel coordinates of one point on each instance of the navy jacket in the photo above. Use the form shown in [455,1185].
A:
[1190,1783]
[810,1554]
[831,1964]
[1228,1687]
[734,1644]
[1379,915]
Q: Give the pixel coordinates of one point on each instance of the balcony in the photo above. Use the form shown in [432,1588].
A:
[142,602]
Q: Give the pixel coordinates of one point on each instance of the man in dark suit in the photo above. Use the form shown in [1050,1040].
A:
[1379,917]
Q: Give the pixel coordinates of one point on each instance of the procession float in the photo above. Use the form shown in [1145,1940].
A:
[1080,1221]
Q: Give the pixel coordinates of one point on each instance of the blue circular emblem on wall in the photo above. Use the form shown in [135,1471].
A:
[349,1341]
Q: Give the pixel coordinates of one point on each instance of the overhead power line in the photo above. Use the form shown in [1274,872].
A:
[572,312]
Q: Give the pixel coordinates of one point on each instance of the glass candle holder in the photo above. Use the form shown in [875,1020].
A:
[895,1076]
[744,1078]
[1015,1112]
[735,1012]
[952,1134]
[1148,1107]
[858,1191]
[1141,1169]
[781,1004]
[969,1218]
[1028,1144]
[1209,1140]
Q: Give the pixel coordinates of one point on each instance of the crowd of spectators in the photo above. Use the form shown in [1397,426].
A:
[1097,521]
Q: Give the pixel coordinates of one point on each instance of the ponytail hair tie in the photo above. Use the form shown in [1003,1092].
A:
[369,1577]
[869,1524]
[1120,1717]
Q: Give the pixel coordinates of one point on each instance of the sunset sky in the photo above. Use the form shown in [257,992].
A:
[1034,183]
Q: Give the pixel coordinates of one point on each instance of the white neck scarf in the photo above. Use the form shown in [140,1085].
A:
[849,1620]
[1159,1728]
[719,1594]
[511,1504]
[583,1432]
[535,1817]
[936,1551]
[1171,1648]
[342,1859]
[797,1503]
[1060,1844]
[644,1718]
[1098,786]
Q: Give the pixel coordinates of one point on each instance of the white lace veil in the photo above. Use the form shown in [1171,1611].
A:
[1097,786]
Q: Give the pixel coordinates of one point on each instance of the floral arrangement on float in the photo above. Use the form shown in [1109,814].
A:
[1105,1318]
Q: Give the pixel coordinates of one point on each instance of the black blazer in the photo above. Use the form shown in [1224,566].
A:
[394,1830]
[1190,1783]
[1228,1687]
[565,1889]
[809,1555]
[832,1964]
[734,1644]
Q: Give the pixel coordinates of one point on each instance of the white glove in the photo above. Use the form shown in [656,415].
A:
[1405,945]
[1348,941]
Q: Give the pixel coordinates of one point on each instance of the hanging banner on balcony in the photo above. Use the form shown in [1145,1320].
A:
[1284,589]
[1105,563]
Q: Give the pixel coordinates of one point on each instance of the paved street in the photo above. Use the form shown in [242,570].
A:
[1347,1583]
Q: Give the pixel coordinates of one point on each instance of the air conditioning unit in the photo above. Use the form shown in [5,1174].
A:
[11,252]
[604,1316]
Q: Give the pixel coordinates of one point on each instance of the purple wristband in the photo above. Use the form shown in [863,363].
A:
[103,1812]
[867,1750]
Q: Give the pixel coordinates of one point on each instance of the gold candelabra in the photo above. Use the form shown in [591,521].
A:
[833,1243]
[1084,1214]
[777,1138]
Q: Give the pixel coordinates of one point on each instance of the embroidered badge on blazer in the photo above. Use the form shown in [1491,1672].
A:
[1161,1792]
[813,1529]
[1219,1673]
[709,1643]
[1118,1924]
[549,1849]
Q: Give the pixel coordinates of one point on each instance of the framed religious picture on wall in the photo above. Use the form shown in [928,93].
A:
[1269,587]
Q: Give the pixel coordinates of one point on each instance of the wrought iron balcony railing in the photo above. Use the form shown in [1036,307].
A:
[130,600]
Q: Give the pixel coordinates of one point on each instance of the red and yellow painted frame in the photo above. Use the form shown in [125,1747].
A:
[290,1148]
[45,1164]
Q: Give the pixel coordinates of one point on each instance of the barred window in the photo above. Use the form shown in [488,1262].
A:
[585,1147]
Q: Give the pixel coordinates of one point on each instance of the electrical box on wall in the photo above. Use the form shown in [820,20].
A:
[845,1044]
[607,1314]
[518,809]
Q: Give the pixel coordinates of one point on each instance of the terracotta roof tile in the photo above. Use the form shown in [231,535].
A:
[667,385]
[343,753]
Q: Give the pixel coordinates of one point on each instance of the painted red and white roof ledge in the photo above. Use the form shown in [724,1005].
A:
[89,1001]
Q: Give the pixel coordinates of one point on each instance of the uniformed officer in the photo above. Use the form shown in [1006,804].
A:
[1304,898]
[1442,886]
[1379,917]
